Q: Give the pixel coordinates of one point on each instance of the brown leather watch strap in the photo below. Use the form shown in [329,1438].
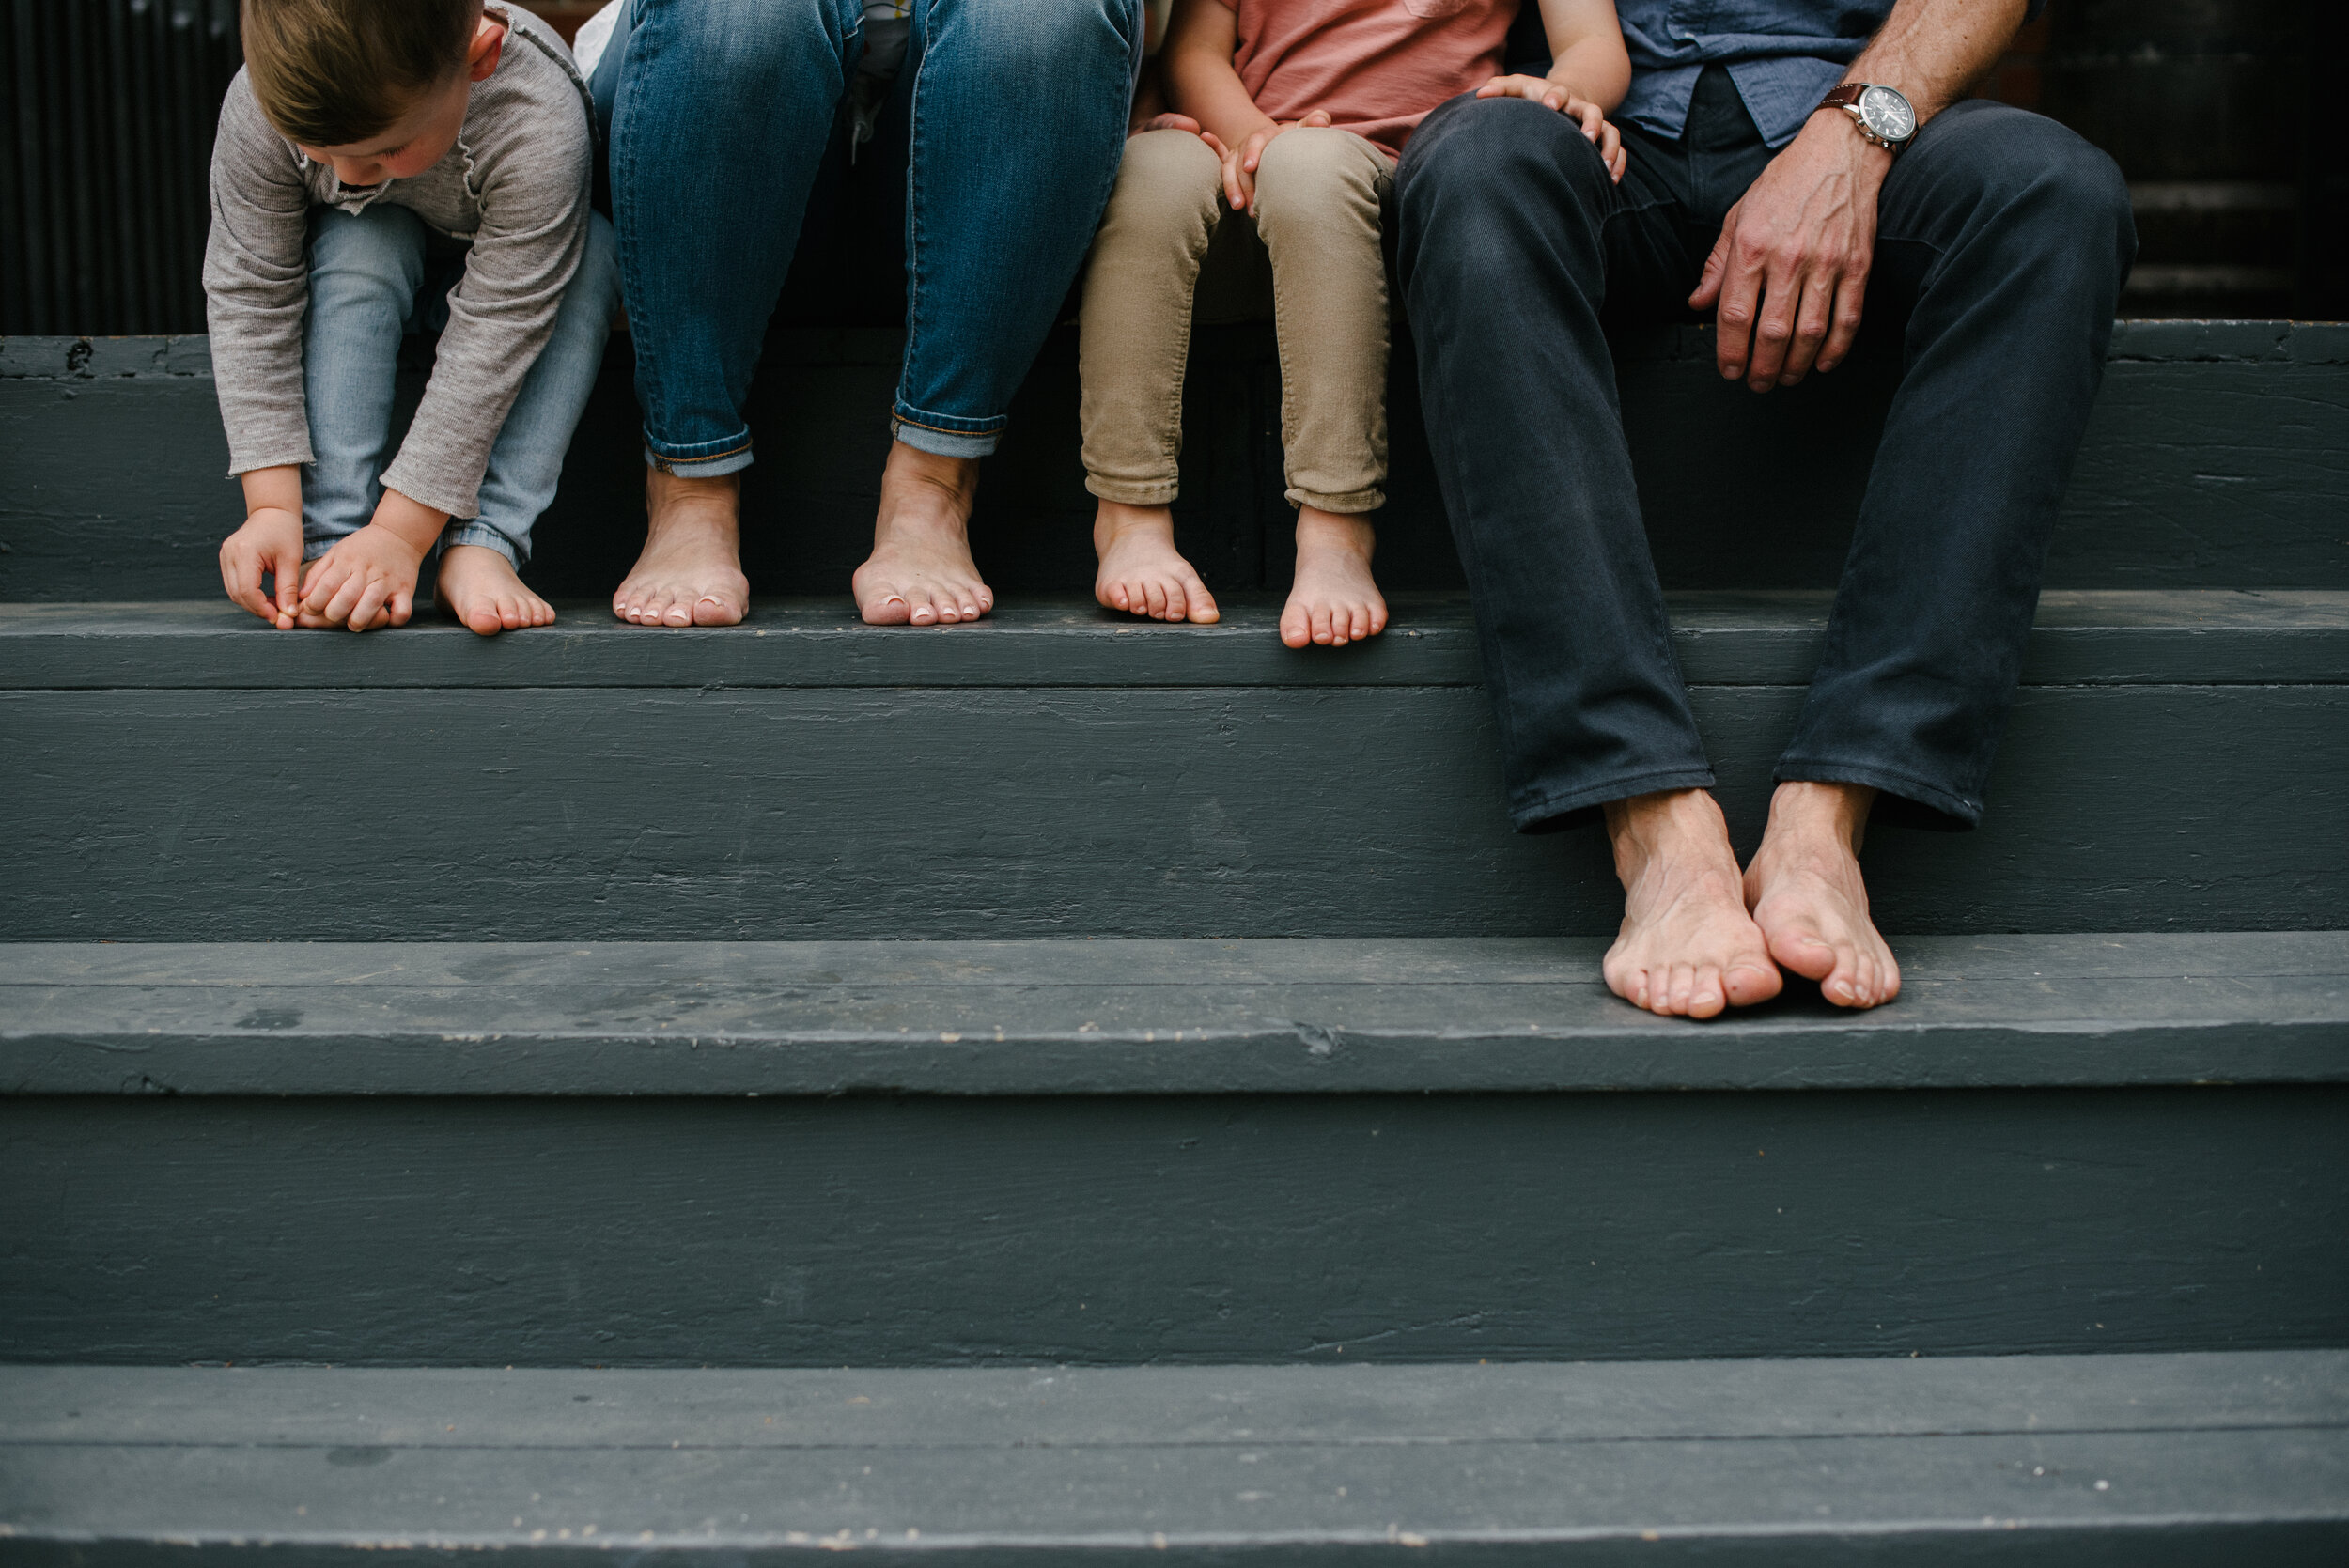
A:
[1843,97]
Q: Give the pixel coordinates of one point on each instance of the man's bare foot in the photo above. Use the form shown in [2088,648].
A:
[1806,893]
[1334,600]
[921,572]
[477,587]
[1687,945]
[1142,572]
[691,571]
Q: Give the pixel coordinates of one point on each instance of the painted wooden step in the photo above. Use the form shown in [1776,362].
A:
[907,1154]
[2216,459]
[2176,760]
[2037,1459]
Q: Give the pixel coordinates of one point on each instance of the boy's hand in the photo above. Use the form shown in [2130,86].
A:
[369,579]
[1240,162]
[270,541]
[1595,127]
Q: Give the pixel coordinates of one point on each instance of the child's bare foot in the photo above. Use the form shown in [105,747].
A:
[1141,571]
[921,572]
[478,589]
[1334,601]
[691,571]
[310,620]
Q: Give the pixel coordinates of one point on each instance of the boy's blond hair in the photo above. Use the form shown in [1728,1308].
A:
[332,72]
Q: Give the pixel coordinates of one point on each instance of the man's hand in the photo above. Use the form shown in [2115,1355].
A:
[1240,162]
[270,541]
[369,579]
[1791,267]
[1556,95]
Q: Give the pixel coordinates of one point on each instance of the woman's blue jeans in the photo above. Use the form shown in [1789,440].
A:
[369,283]
[721,112]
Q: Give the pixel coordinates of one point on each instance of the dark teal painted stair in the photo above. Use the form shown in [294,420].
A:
[2216,459]
[2177,760]
[2058,1460]
[893,1153]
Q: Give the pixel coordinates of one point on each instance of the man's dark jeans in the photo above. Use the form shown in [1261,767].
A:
[2002,243]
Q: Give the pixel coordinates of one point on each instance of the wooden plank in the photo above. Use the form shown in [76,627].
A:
[598,814]
[2214,459]
[1748,638]
[898,1407]
[1330,1464]
[914,1229]
[1098,1017]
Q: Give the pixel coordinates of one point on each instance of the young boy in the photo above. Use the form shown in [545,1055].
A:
[1278,159]
[366,148]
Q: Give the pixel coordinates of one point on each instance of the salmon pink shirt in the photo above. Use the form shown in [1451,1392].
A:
[1376,66]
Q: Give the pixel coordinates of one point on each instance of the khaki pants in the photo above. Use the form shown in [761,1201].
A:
[1168,243]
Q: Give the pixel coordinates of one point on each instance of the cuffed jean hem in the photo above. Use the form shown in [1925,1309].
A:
[1158,492]
[945,435]
[1349,503]
[483,534]
[1957,810]
[944,444]
[702,461]
[1548,814]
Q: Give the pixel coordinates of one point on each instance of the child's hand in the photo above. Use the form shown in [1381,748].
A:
[1595,127]
[270,541]
[1171,121]
[369,579]
[1240,162]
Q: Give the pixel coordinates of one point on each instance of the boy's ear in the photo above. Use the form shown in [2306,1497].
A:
[489,44]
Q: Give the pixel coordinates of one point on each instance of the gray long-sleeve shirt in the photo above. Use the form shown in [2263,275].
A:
[515,188]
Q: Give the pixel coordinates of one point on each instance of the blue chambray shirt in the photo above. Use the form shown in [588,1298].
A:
[1784,56]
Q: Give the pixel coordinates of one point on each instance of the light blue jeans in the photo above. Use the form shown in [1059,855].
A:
[367,285]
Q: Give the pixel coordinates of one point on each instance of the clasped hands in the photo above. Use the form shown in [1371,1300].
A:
[365,582]
[1240,162]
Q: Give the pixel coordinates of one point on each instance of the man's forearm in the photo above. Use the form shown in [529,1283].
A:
[1933,51]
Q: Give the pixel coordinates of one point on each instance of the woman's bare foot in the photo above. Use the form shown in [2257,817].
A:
[1142,572]
[1334,600]
[1687,945]
[691,571]
[1806,892]
[921,572]
[477,588]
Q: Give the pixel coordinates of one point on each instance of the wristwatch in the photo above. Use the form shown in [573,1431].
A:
[1883,116]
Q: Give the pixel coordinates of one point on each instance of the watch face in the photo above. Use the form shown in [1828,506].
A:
[1887,114]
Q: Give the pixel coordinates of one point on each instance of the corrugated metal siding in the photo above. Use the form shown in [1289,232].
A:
[103,145]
